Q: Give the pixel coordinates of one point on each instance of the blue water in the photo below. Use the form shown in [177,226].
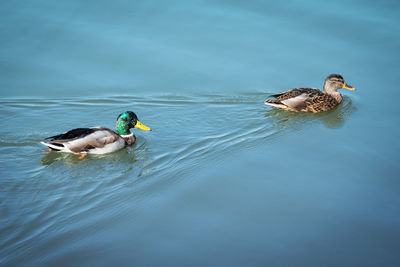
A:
[222,180]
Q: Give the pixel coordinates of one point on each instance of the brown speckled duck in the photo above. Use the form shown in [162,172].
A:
[312,99]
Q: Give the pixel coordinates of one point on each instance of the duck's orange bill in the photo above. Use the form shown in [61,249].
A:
[142,126]
[348,87]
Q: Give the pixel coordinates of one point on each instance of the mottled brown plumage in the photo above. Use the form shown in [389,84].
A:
[311,99]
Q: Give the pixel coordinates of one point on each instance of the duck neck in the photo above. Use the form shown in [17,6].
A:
[330,89]
[129,139]
[123,127]
[336,95]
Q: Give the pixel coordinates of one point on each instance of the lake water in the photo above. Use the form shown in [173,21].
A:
[222,180]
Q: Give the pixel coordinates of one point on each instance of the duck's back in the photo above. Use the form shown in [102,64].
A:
[74,133]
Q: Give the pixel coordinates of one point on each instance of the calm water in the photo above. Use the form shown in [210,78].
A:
[222,180]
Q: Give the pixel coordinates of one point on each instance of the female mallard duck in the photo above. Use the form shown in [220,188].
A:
[312,99]
[97,140]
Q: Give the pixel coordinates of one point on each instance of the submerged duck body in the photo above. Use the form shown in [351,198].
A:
[311,99]
[97,140]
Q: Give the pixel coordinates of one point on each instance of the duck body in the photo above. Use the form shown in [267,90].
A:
[97,140]
[311,99]
[304,99]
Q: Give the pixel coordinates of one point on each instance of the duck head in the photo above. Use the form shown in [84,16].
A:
[127,120]
[334,82]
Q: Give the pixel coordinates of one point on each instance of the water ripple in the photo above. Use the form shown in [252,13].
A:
[188,131]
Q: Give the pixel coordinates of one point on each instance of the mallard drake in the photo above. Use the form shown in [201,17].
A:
[97,140]
[312,99]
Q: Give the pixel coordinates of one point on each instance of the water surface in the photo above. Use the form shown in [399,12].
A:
[222,179]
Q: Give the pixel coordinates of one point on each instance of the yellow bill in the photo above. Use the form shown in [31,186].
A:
[142,126]
[348,87]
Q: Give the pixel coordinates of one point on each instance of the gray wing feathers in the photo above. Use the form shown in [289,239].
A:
[297,102]
[98,139]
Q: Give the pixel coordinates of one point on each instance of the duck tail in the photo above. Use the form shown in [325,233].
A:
[275,103]
[56,147]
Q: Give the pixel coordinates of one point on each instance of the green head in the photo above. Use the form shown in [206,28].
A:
[127,120]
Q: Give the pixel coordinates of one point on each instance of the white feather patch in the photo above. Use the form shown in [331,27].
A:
[295,101]
[126,135]
[276,105]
